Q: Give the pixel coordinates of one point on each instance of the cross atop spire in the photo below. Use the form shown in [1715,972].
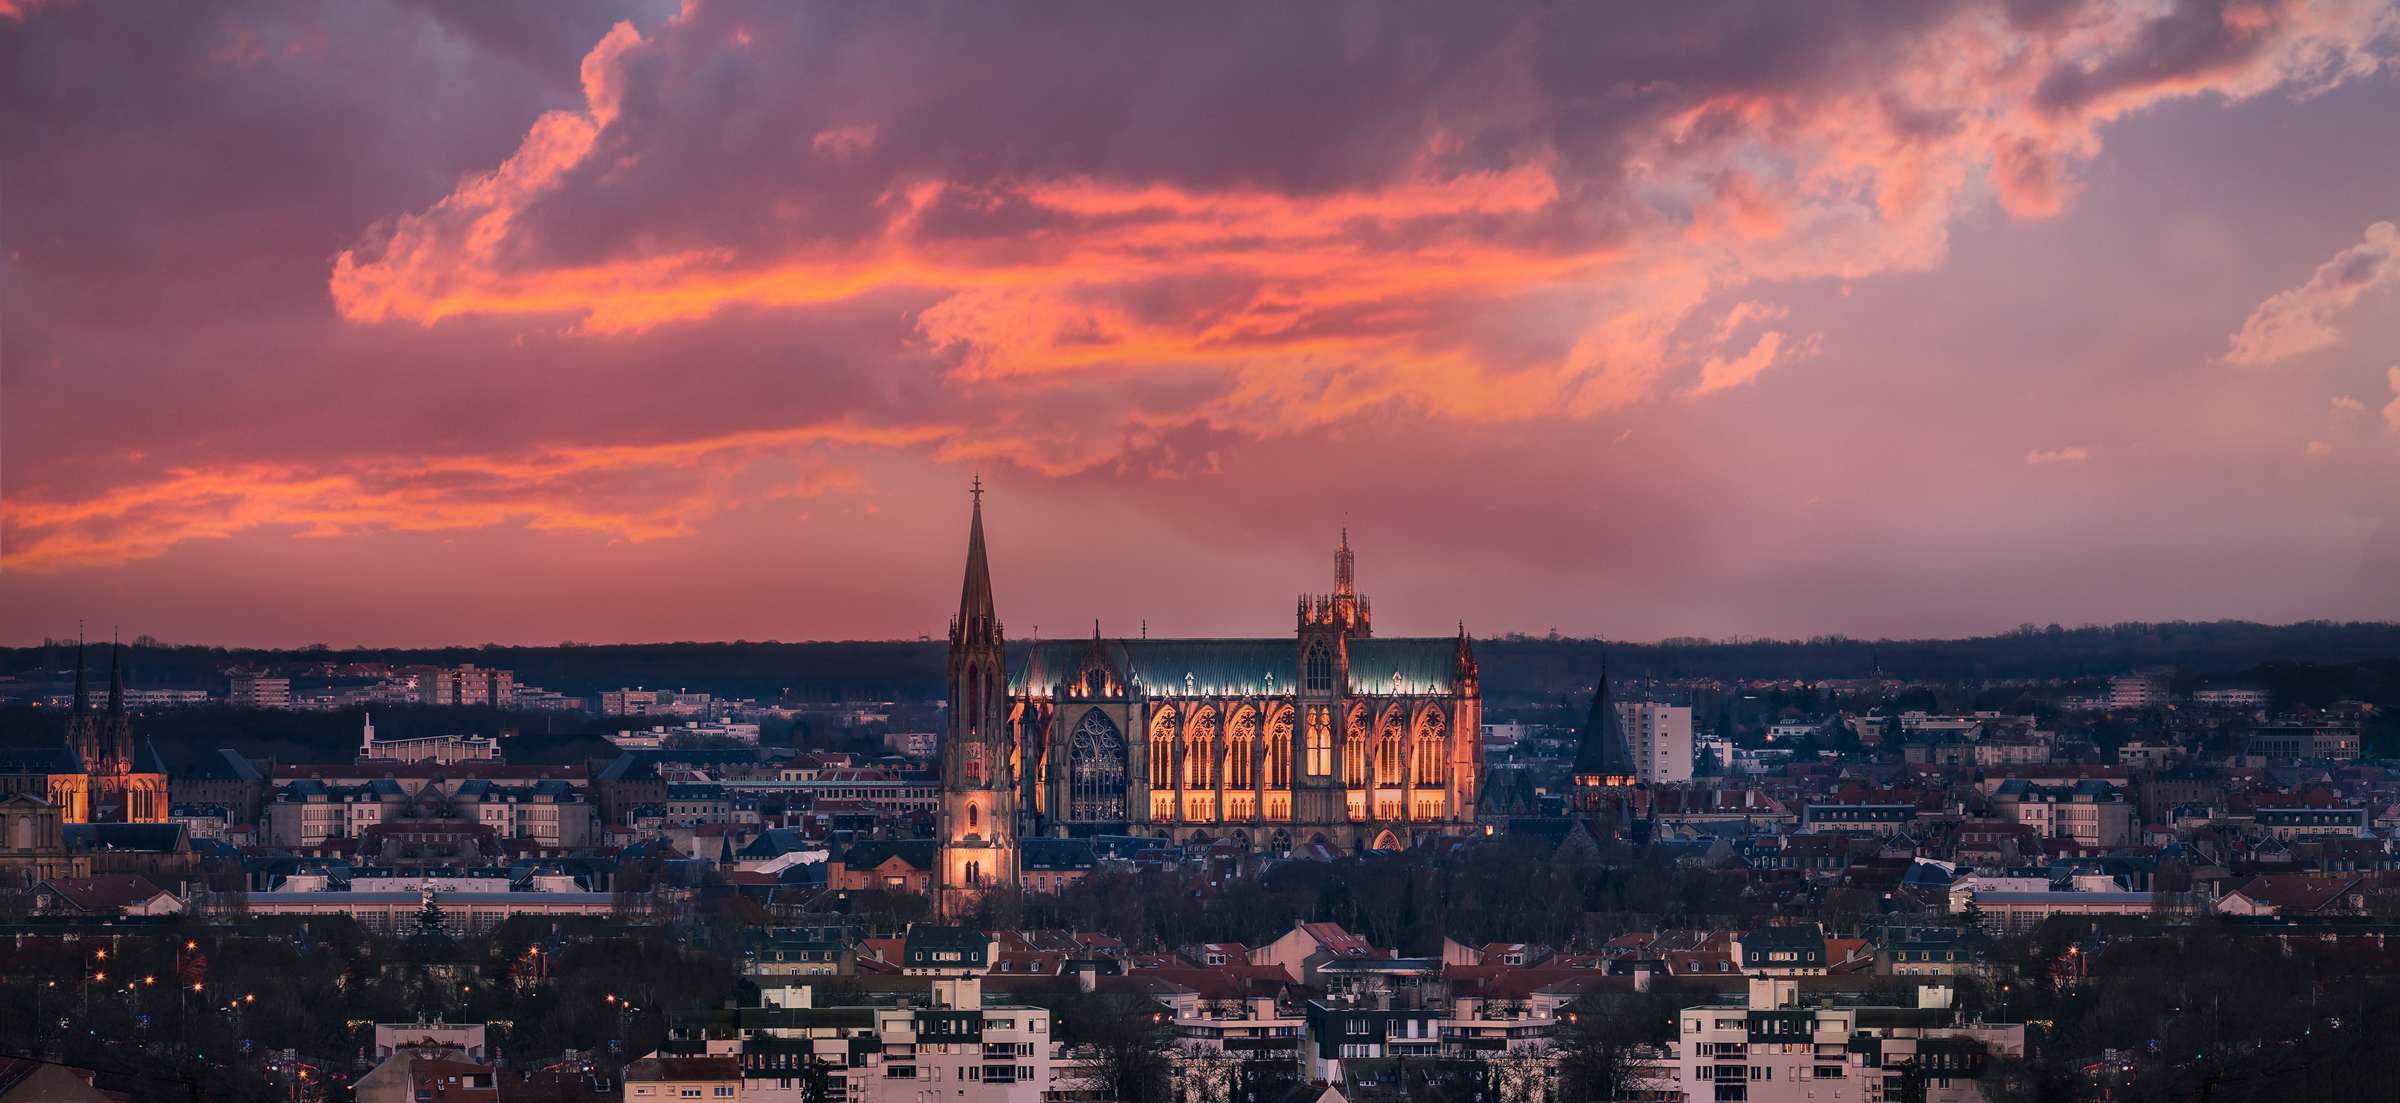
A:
[976,489]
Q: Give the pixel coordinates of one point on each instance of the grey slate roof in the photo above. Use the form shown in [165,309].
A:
[1421,664]
[1601,748]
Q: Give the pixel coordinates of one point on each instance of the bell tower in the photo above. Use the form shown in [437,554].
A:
[1326,625]
[978,828]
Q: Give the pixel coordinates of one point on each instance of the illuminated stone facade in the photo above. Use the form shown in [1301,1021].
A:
[99,774]
[1330,735]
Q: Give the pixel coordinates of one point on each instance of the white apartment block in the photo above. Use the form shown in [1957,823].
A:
[952,1047]
[1660,737]
[1777,1048]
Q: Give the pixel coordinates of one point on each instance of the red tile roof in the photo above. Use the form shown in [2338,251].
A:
[107,893]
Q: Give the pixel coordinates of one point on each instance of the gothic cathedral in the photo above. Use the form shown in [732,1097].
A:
[1331,736]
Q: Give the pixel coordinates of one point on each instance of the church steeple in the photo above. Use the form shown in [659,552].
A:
[116,677]
[977,618]
[83,688]
[1603,758]
[978,828]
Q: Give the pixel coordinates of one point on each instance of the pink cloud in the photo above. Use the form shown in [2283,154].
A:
[2391,410]
[2301,319]
[2069,454]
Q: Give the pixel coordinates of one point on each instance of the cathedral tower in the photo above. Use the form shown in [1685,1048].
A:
[1330,757]
[83,730]
[978,829]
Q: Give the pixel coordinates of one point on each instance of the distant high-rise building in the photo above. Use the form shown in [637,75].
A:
[259,690]
[628,702]
[464,685]
[2137,691]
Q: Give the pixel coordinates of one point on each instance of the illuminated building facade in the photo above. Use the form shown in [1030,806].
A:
[1330,735]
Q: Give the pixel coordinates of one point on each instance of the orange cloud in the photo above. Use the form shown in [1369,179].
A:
[2069,454]
[1349,297]
[633,492]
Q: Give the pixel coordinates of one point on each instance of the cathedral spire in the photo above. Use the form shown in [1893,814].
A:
[116,677]
[1345,568]
[83,687]
[976,617]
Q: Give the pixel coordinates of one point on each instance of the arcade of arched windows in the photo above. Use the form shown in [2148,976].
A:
[1234,758]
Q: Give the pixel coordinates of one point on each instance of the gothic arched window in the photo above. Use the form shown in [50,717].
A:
[1162,750]
[1200,751]
[1095,770]
[1355,750]
[1241,749]
[1387,750]
[1320,744]
[1320,669]
[974,714]
[1279,750]
[1430,769]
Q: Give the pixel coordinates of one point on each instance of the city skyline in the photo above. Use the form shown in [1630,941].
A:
[397,325]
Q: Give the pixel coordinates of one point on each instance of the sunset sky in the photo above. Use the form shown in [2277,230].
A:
[388,322]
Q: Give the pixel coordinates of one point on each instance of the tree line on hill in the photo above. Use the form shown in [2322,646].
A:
[1514,666]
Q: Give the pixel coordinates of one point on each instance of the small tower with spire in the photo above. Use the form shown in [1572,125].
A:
[1603,757]
[978,830]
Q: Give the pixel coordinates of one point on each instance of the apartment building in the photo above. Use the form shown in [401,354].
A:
[2092,812]
[1660,739]
[258,690]
[1777,1047]
[947,1043]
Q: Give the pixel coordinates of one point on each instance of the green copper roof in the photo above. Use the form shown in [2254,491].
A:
[1240,666]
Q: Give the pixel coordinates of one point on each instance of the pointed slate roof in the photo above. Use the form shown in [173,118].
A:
[116,679]
[975,595]
[83,687]
[1601,747]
